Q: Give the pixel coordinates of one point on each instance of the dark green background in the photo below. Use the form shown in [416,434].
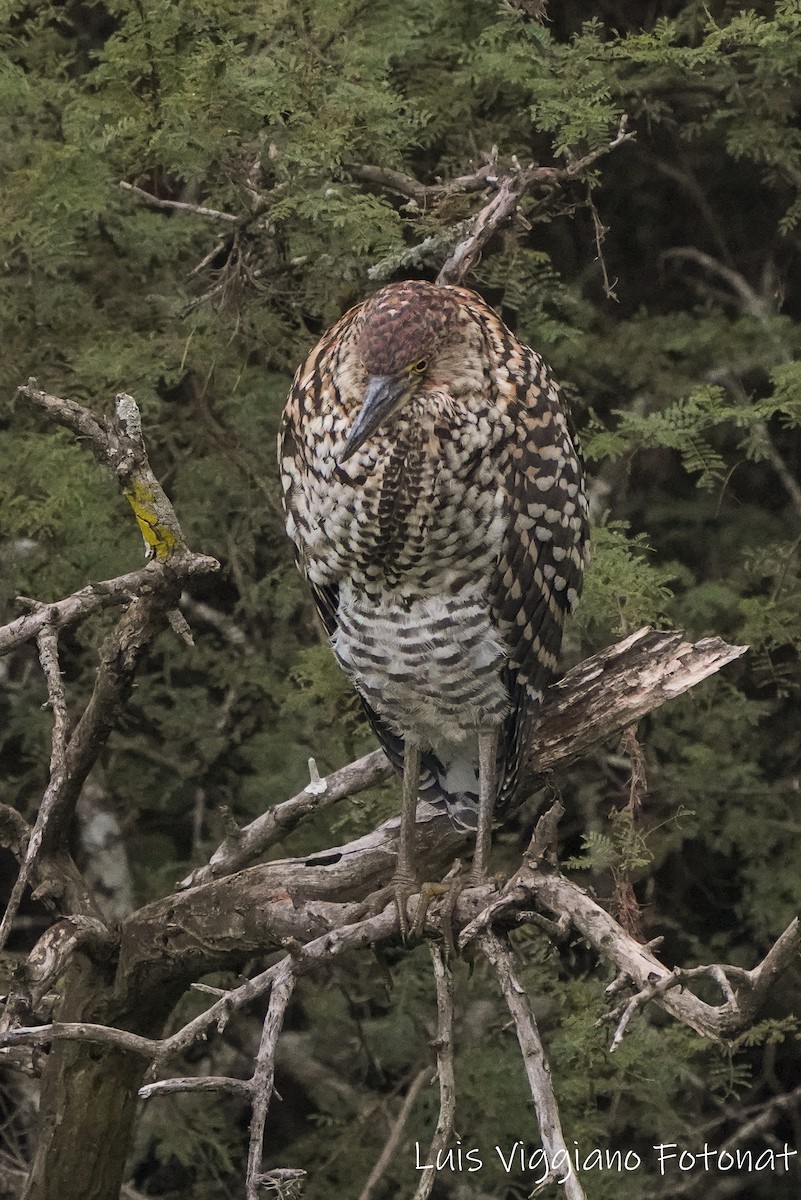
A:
[687,391]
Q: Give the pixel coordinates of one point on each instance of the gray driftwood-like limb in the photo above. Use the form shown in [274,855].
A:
[594,701]
[499,954]
[512,186]
[246,844]
[197,210]
[197,1083]
[396,1133]
[103,594]
[47,642]
[744,991]
[445,1069]
[117,444]
[263,1078]
[80,1031]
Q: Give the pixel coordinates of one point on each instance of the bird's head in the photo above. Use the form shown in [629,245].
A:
[401,328]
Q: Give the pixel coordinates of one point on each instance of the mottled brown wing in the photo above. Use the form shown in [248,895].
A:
[314,390]
[538,576]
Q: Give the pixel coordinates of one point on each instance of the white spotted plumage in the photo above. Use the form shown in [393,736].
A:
[445,551]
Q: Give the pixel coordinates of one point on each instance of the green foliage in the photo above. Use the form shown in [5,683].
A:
[687,395]
[623,589]
[623,852]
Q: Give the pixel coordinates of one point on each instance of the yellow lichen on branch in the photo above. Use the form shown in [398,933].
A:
[161,539]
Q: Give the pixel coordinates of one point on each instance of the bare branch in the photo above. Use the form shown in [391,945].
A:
[499,954]
[396,1133]
[197,1083]
[594,701]
[750,300]
[242,846]
[119,446]
[103,594]
[511,187]
[176,205]
[789,480]
[464,256]
[338,941]
[654,981]
[781,954]
[264,1074]
[47,642]
[445,1069]
[406,185]
[228,628]
[80,1031]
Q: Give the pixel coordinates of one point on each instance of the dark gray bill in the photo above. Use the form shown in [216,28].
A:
[381,397]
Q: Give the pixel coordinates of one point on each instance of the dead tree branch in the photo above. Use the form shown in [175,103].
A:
[401,184]
[151,599]
[106,593]
[594,701]
[197,210]
[47,641]
[743,991]
[510,190]
[118,444]
[445,1069]
[499,954]
[396,1133]
[264,1075]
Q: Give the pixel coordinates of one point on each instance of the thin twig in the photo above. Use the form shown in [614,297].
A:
[47,641]
[445,1069]
[396,1133]
[264,1074]
[504,203]
[176,205]
[499,954]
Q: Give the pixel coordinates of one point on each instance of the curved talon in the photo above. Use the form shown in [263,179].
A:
[402,888]
[428,892]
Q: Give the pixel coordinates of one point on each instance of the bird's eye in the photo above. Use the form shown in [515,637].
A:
[417,368]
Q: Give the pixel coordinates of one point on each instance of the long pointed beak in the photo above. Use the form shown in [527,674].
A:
[381,397]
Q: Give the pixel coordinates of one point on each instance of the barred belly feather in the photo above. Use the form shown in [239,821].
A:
[432,668]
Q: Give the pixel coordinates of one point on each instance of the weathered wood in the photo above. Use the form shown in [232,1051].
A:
[89,1094]
[594,701]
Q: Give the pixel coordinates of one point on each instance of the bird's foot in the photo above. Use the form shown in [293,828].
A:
[450,888]
[399,890]
[403,886]
[477,877]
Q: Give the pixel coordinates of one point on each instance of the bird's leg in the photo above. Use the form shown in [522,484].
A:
[487,772]
[404,881]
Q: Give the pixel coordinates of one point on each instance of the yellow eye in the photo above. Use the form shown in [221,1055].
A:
[419,367]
